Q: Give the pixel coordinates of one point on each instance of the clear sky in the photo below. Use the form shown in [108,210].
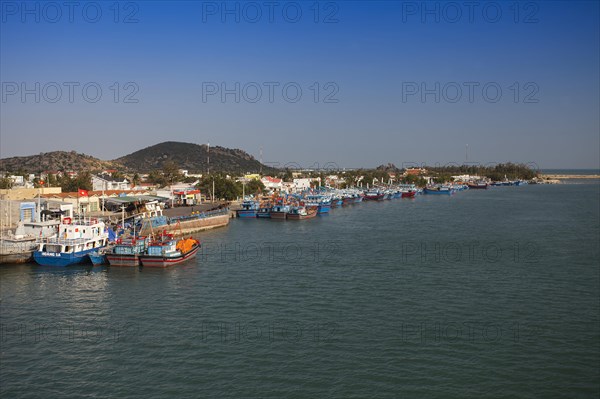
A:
[380,81]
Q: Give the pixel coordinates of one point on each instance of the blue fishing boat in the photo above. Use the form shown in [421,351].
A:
[322,203]
[264,212]
[336,201]
[98,257]
[74,243]
[249,210]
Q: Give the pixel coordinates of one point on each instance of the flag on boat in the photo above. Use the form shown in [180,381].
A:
[83,193]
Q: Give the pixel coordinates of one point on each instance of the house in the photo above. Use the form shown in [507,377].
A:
[107,182]
[304,183]
[252,176]
[414,171]
[272,183]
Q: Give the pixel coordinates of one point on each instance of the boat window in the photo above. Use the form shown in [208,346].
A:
[67,248]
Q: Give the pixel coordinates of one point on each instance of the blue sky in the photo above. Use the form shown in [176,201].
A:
[380,81]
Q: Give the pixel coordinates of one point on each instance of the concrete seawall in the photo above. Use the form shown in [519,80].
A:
[185,227]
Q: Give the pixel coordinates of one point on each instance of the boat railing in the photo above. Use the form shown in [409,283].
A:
[62,241]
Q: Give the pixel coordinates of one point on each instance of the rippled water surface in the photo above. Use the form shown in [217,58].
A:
[484,294]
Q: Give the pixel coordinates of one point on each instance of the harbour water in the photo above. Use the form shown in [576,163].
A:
[486,293]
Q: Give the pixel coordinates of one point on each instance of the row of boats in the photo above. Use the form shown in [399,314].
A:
[309,204]
[312,203]
[91,241]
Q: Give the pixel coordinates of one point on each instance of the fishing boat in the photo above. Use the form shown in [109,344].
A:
[264,212]
[302,212]
[478,185]
[74,242]
[169,251]
[18,246]
[336,201]
[321,202]
[347,199]
[374,195]
[98,257]
[439,190]
[408,194]
[249,209]
[126,252]
[279,211]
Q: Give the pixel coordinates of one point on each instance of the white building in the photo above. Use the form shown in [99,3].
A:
[272,183]
[105,182]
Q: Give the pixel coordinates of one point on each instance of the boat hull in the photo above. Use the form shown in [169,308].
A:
[243,214]
[162,261]
[324,208]
[437,192]
[97,259]
[278,215]
[477,186]
[409,194]
[378,197]
[23,257]
[263,215]
[62,259]
[132,260]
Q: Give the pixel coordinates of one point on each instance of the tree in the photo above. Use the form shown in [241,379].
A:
[117,175]
[5,183]
[225,188]
[171,172]
[157,178]
[136,179]
[255,186]
[82,181]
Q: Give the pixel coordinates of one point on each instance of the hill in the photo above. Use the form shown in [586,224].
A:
[192,157]
[56,161]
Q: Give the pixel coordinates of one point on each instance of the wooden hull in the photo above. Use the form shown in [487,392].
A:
[311,213]
[278,215]
[161,261]
[123,260]
[24,257]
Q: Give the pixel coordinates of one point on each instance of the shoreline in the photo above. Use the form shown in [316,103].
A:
[566,177]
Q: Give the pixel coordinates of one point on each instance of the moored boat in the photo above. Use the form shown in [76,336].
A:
[18,247]
[374,195]
[264,212]
[98,257]
[169,252]
[302,212]
[73,243]
[408,194]
[249,210]
[279,211]
[439,190]
[126,252]
[478,185]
